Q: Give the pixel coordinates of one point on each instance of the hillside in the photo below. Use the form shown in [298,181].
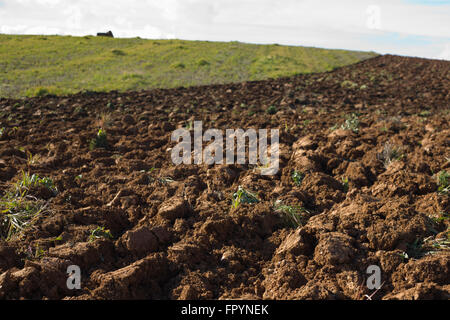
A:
[36,65]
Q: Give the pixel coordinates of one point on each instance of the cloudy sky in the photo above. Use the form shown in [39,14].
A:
[406,27]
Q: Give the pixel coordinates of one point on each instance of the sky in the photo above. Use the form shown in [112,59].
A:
[406,27]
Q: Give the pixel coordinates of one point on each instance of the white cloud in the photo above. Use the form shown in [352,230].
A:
[169,8]
[13,29]
[73,17]
[395,26]
[445,54]
[23,29]
[51,3]
[42,30]
[148,32]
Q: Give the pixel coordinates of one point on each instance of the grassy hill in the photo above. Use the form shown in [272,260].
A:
[36,65]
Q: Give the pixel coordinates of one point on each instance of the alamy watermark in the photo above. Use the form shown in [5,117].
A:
[74,279]
[374,280]
[235,147]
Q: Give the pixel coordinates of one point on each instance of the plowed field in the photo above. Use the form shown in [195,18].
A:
[364,163]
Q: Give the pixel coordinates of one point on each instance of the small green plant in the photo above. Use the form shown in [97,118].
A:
[390,154]
[189,125]
[2,130]
[297,177]
[243,196]
[415,249]
[351,123]
[335,127]
[442,217]
[404,255]
[347,84]
[27,183]
[443,182]
[100,232]
[111,106]
[271,110]
[294,216]
[56,239]
[425,113]
[345,184]
[39,253]
[100,141]
[32,159]
[80,111]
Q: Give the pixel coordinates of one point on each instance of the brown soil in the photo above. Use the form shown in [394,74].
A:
[182,239]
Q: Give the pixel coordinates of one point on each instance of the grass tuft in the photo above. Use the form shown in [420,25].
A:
[390,154]
[29,183]
[345,184]
[100,232]
[351,123]
[294,216]
[297,177]
[19,208]
[244,196]
[100,141]
[271,110]
[443,182]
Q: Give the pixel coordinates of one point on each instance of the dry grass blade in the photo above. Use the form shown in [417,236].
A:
[18,214]
[390,154]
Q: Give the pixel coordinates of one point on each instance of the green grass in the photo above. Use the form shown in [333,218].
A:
[244,196]
[100,232]
[351,123]
[297,177]
[345,184]
[294,216]
[429,246]
[27,183]
[100,141]
[443,182]
[271,110]
[19,207]
[18,214]
[36,65]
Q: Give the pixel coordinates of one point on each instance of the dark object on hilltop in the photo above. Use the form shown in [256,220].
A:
[107,34]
